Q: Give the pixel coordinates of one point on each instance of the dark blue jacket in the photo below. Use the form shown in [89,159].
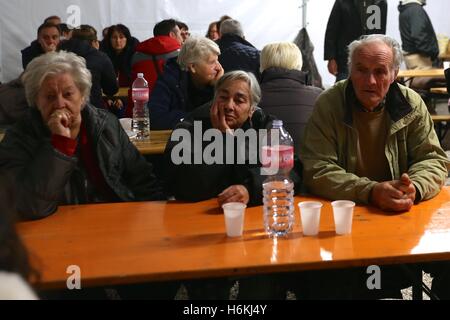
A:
[237,53]
[29,53]
[174,96]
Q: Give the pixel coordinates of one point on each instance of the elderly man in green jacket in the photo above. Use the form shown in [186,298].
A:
[370,139]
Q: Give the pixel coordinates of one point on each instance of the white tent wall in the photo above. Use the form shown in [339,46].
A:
[264,21]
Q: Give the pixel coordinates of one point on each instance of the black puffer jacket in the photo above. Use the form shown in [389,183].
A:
[100,66]
[44,178]
[286,96]
[416,31]
[196,182]
[237,53]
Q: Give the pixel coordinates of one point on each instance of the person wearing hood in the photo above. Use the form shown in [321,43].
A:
[84,43]
[151,55]
[419,42]
[343,28]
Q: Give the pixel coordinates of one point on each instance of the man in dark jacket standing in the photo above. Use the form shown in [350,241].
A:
[349,20]
[419,42]
[236,52]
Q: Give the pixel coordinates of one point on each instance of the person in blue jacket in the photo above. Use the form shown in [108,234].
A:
[186,83]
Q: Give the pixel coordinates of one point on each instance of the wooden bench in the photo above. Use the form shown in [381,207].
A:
[442,91]
[436,94]
[413,73]
[441,122]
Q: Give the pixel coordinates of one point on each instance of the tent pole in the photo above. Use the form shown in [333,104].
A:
[304,8]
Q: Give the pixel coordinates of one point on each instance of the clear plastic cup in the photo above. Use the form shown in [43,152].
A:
[310,217]
[234,213]
[343,216]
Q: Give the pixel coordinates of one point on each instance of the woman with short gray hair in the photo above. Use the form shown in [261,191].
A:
[232,114]
[247,77]
[186,83]
[66,151]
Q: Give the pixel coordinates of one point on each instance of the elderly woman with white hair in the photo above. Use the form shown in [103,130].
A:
[284,88]
[64,150]
[187,83]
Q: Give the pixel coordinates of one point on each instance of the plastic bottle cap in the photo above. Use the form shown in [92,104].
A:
[140,75]
[277,123]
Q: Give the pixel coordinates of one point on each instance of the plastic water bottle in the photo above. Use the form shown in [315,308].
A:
[278,189]
[140,95]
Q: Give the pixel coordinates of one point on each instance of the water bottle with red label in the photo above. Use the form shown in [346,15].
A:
[140,96]
[278,189]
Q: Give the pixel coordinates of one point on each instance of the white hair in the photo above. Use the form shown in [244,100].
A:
[364,40]
[52,64]
[231,26]
[196,49]
[284,55]
[238,75]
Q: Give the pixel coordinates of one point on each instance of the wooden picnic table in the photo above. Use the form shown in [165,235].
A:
[124,243]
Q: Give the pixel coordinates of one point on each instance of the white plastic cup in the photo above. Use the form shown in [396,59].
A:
[343,216]
[310,216]
[234,213]
[126,123]
[446,64]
